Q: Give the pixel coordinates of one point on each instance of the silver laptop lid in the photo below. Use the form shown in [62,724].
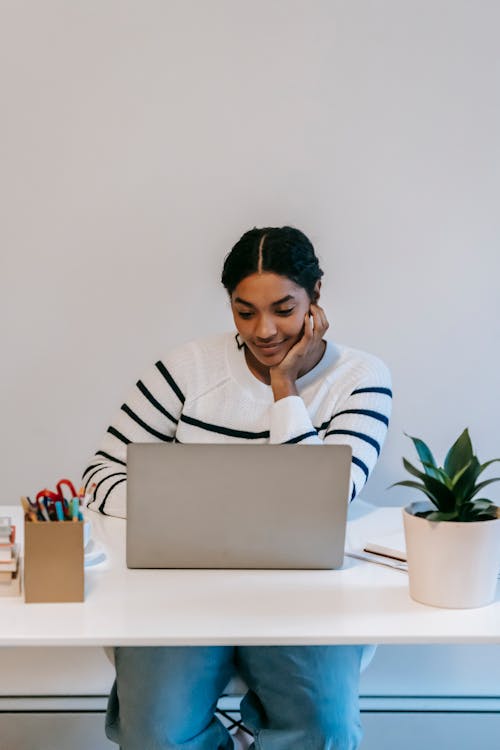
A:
[236,506]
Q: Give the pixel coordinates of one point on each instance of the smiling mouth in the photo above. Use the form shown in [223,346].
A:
[269,347]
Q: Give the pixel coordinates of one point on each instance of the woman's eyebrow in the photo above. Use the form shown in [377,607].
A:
[273,304]
[281,301]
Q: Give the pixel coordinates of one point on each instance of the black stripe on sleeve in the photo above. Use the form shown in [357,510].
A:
[224,430]
[353,493]
[299,438]
[364,412]
[101,507]
[367,412]
[362,465]
[111,458]
[151,430]
[92,466]
[115,474]
[324,425]
[155,403]
[170,381]
[118,435]
[385,391]
[360,435]
[101,467]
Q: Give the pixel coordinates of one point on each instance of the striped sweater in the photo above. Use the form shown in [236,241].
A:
[203,392]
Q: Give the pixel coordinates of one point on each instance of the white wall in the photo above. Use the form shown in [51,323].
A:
[138,140]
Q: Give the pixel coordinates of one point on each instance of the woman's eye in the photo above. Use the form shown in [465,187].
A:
[285,312]
[244,315]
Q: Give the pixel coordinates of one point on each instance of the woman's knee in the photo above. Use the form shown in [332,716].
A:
[336,729]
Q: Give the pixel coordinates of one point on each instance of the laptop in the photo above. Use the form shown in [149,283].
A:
[237,506]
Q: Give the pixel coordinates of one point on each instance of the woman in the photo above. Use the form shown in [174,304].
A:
[277,381]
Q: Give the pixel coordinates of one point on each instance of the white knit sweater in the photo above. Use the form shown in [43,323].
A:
[203,392]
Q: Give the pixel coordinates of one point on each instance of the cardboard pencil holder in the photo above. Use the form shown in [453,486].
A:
[53,561]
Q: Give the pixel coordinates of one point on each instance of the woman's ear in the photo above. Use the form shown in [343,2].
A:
[316,291]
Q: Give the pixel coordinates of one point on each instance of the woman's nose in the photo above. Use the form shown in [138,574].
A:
[264,328]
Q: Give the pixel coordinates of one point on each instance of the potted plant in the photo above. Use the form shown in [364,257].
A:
[452,538]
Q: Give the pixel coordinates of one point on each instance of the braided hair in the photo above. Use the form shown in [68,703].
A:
[285,251]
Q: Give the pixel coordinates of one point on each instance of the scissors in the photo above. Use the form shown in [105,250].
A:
[46,499]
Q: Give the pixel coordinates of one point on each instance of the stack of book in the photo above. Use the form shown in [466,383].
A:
[9,559]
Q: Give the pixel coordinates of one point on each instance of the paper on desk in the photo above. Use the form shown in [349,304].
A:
[394,540]
[377,559]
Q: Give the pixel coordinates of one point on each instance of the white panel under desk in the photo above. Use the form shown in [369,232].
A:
[395,671]
[433,670]
[54,671]
[414,731]
[382,731]
[53,731]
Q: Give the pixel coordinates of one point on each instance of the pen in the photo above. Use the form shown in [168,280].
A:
[43,510]
[75,509]
[378,549]
[59,510]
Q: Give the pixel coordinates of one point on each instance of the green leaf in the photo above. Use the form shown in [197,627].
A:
[424,454]
[413,470]
[416,486]
[438,515]
[443,496]
[460,474]
[465,481]
[485,465]
[482,504]
[487,509]
[439,474]
[459,454]
[478,511]
[439,493]
[408,483]
[483,484]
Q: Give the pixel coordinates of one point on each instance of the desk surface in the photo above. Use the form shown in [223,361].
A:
[362,603]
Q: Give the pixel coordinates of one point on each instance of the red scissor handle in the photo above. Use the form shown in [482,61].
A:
[59,493]
[48,493]
[67,483]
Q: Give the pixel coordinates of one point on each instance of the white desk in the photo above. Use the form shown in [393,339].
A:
[362,603]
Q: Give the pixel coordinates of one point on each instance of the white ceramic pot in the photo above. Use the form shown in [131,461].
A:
[451,564]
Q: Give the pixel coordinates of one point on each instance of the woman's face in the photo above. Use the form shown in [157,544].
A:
[269,311]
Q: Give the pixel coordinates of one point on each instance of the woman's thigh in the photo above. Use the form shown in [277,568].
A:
[167,694]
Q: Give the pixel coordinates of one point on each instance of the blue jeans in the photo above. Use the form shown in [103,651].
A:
[299,697]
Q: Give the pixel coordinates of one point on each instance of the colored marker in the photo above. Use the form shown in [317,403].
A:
[42,506]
